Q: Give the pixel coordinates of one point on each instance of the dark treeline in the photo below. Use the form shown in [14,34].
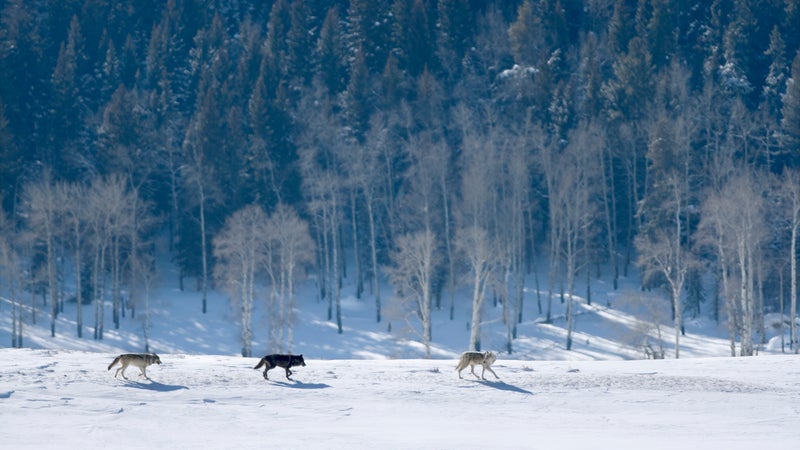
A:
[437,143]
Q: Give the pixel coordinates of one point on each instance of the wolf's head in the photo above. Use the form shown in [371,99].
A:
[489,358]
[154,359]
[298,361]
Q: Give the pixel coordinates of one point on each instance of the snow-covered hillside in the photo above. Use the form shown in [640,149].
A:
[614,326]
[67,399]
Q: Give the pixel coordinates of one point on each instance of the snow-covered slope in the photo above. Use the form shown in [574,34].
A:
[178,326]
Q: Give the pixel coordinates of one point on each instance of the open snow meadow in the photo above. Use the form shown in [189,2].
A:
[370,386]
[67,399]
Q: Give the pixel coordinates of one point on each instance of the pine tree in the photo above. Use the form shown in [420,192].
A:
[454,35]
[775,84]
[791,111]
[526,35]
[330,57]
[369,32]
[357,96]
[12,161]
[66,86]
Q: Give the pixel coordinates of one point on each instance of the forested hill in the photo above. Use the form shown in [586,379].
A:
[460,137]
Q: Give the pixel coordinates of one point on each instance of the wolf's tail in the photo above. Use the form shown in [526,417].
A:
[260,363]
[114,362]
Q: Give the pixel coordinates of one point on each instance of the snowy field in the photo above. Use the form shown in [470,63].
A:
[67,399]
[369,387]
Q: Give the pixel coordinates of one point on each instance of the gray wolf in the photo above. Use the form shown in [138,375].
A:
[472,359]
[278,360]
[140,360]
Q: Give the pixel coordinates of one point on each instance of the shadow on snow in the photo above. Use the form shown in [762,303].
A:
[503,386]
[300,385]
[155,386]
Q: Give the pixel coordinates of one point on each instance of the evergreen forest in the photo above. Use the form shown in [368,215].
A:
[441,146]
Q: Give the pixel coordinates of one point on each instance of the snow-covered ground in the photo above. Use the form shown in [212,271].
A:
[67,399]
[369,387]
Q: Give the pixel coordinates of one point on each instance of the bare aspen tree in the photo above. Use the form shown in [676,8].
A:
[376,140]
[426,196]
[140,220]
[748,231]
[411,273]
[444,188]
[791,189]
[196,174]
[146,274]
[663,243]
[363,168]
[73,197]
[418,203]
[9,272]
[474,243]
[519,184]
[289,251]
[662,253]
[105,204]
[320,169]
[41,210]
[326,204]
[481,178]
[665,236]
[119,201]
[98,238]
[513,204]
[733,220]
[710,232]
[548,162]
[239,252]
[576,176]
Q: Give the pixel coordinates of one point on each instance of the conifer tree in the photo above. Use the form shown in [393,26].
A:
[791,109]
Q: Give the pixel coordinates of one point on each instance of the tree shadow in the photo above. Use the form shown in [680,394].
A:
[155,386]
[300,385]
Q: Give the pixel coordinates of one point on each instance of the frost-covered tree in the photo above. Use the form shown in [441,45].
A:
[289,250]
[239,251]
[412,272]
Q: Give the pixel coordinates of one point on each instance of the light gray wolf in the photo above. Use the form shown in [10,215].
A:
[472,359]
[140,360]
[278,360]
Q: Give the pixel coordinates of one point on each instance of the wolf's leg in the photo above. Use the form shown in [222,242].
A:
[472,369]
[288,373]
[144,372]
[265,374]
[490,370]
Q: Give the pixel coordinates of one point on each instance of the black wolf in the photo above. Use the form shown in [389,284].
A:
[285,361]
